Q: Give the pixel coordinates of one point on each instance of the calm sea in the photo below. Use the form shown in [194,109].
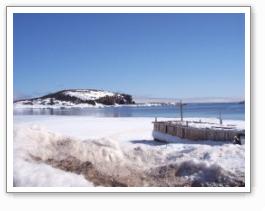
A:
[228,111]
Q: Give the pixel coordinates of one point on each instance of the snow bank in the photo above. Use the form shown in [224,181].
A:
[33,142]
[30,174]
[79,151]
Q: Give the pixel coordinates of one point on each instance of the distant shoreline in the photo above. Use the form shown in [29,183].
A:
[151,104]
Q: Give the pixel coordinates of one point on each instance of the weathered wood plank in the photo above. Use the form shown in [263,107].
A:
[187,132]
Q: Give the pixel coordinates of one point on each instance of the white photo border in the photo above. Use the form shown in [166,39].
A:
[10,10]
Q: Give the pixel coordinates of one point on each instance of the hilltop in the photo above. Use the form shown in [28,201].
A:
[77,97]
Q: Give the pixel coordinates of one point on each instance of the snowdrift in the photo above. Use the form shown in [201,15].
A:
[126,155]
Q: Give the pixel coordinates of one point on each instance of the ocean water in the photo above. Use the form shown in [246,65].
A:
[234,111]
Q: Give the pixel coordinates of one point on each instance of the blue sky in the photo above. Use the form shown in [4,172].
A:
[152,55]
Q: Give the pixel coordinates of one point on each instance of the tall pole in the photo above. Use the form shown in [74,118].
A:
[181,112]
[220,118]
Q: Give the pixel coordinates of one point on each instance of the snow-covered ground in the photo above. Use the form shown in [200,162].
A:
[210,123]
[89,151]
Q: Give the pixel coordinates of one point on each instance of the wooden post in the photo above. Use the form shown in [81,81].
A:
[181,111]
[220,118]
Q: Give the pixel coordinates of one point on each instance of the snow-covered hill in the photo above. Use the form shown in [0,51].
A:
[76,98]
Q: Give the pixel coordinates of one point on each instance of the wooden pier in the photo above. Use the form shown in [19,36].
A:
[186,130]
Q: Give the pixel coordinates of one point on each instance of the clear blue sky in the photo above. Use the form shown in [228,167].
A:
[156,55]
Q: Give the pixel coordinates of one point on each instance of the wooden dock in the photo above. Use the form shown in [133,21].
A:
[183,129]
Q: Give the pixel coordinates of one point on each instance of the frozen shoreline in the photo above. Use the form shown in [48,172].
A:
[116,147]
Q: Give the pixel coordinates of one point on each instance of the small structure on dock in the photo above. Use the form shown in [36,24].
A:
[198,130]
